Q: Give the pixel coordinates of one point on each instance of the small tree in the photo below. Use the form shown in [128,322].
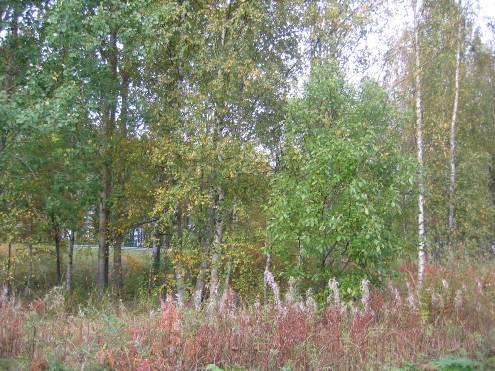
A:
[336,197]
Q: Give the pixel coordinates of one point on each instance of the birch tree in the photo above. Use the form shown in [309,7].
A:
[419,146]
[453,124]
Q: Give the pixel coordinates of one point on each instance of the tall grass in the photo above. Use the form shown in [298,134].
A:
[454,314]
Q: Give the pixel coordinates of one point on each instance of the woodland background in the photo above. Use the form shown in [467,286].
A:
[257,145]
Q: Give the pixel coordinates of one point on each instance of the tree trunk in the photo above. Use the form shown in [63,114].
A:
[217,243]
[57,238]
[30,267]
[203,267]
[155,255]
[117,278]
[204,240]
[178,269]
[9,273]
[420,150]
[106,174]
[101,278]
[265,285]
[453,143]
[200,281]
[70,255]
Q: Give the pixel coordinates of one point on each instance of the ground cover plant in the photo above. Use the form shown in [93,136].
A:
[450,321]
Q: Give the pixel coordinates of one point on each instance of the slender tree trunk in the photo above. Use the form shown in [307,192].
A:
[203,267]
[117,278]
[200,281]
[117,275]
[217,243]
[101,279]
[178,269]
[265,285]
[156,254]
[217,222]
[420,149]
[57,237]
[453,142]
[106,173]
[70,256]
[9,273]
[204,240]
[30,268]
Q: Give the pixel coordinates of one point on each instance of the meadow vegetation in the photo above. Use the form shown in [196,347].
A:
[449,322]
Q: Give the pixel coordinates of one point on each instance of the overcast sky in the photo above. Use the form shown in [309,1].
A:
[401,17]
[486,13]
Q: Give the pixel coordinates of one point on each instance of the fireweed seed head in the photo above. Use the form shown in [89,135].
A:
[445,284]
[458,299]
[334,294]
[310,301]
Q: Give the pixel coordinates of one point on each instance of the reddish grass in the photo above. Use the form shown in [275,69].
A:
[389,333]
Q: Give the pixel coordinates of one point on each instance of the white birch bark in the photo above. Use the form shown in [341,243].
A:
[453,141]
[420,149]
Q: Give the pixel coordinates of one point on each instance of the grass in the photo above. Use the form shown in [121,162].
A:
[135,270]
[448,325]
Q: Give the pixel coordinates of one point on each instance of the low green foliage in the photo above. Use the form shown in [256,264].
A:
[454,363]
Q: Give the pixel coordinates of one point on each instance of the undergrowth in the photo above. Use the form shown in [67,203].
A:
[448,324]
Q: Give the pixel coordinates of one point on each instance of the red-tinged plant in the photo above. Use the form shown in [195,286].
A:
[12,321]
[39,363]
[330,329]
[169,339]
[292,330]
[38,306]
[360,325]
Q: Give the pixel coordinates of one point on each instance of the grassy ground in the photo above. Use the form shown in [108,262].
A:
[135,270]
[448,325]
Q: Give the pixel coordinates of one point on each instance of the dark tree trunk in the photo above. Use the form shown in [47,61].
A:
[29,239]
[155,256]
[101,279]
[9,273]
[30,267]
[57,238]
[70,256]
[106,174]
[217,244]
[203,267]
[178,269]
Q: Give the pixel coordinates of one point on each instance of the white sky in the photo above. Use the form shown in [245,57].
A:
[486,13]
[401,17]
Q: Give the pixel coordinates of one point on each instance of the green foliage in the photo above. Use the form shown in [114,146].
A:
[453,363]
[340,185]
[212,367]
